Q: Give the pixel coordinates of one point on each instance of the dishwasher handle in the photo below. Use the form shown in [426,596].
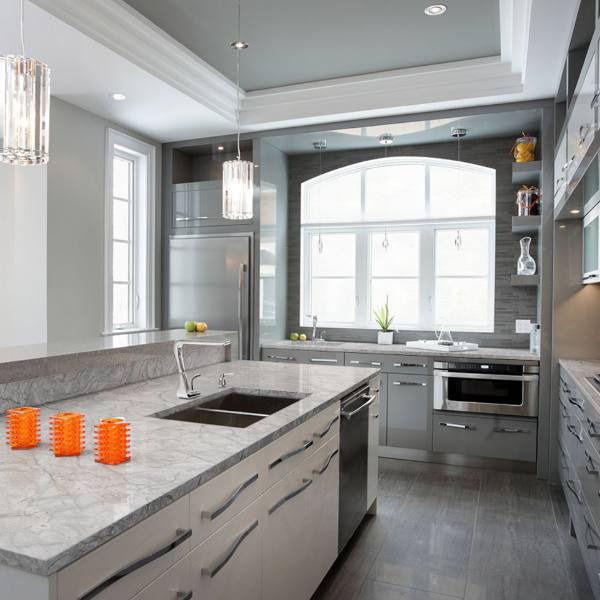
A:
[349,414]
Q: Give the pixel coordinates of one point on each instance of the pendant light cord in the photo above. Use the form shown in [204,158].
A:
[238,50]
[23,28]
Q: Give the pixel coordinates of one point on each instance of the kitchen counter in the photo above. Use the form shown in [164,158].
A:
[55,510]
[486,354]
[580,370]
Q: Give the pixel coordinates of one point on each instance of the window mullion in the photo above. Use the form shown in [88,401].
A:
[427,278]
[362,277]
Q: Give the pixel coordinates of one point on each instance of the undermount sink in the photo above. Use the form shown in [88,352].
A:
[231,408]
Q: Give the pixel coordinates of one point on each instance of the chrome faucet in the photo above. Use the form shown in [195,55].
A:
[185,390]
[314,333]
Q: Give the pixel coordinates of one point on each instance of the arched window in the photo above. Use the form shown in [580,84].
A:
[417,231]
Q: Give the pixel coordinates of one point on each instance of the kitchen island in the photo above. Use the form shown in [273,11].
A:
[70,524]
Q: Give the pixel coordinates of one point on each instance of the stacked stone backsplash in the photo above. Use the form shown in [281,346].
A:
[41,380]
[511,303]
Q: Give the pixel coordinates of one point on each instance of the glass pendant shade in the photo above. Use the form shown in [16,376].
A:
[24,110]
[238,189]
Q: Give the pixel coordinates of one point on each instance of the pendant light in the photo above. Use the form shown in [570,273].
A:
[24,107]
[320,145]
[458,133]
[238,174]
[385,139]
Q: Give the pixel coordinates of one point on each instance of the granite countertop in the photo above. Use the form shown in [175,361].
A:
[55,510]
[488,354]
[580,370]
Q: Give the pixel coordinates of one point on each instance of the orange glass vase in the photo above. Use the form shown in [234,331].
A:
[23,427]
[112,437]
[67,433]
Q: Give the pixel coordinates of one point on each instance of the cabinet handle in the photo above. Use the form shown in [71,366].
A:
[563,459]
[574,401]
[328,428]
[376,416]
[305,446]
[564,386]
[409,383]
[211,515]
[590,465]
[595,99]
[369,401]
[592,429]
[324,360]
[563,411]
[571,485]
[274,356]
[185,595]
[591,276]
[212,571]
[305,483]
[410,365]
[190,218]
[575,433]
[567,164]
[510,430]
[182,535]
[588,527]
[458,426]
[583,133]
[331,457]
[365,362]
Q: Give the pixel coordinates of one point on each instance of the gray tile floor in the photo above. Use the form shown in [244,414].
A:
[445,532]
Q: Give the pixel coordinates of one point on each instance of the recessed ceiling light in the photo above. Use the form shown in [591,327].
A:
[118,97]
[239,45]
[435,9]
[220,148]
[563,226]
[575,211]
[386,139]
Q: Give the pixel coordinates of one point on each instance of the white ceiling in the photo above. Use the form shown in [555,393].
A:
[101,46]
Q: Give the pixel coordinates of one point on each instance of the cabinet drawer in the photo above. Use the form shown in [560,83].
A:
[588,538]
[324,426]
[415,365]
[409,411]
[229,563]
[147,550]
[308,357]
[174,584]
[491,437]
[217,501]
[364,359]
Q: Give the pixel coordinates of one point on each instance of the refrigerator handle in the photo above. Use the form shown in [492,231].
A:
[241,303]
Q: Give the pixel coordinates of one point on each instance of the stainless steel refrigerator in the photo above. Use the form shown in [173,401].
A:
[209,281]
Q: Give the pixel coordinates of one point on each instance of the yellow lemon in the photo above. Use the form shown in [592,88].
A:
[201,327]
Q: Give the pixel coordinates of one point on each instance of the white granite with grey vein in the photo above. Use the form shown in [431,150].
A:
[486,354]
[55,510]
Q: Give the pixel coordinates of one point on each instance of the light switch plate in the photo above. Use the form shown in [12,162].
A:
[523,326]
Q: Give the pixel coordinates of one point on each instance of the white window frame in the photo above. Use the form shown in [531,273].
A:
[142,232]
[363,229]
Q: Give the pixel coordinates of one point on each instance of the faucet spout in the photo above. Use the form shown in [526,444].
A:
[185,389]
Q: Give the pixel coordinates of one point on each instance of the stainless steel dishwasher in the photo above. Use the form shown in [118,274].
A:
[354,454]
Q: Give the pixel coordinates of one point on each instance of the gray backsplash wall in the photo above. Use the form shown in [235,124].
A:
[511,302]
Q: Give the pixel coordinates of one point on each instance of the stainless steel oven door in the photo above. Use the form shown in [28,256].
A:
[486,393]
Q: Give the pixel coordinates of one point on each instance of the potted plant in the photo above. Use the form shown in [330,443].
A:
[384,320]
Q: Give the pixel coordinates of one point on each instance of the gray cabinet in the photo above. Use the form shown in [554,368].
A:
[383,409]
[309,357]
[409,411]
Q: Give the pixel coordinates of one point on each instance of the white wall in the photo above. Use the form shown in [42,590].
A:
[23,218]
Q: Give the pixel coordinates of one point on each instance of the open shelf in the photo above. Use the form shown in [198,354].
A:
[527,173]
[529,224]
[525,280]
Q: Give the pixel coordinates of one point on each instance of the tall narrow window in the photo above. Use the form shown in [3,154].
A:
[130,263]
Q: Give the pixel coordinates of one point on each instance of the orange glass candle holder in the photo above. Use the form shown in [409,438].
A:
[112,438]
[67,433]
[23,427]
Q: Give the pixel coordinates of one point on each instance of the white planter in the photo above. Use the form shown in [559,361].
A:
[385,337]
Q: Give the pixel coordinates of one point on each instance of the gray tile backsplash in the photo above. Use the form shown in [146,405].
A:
[511,302]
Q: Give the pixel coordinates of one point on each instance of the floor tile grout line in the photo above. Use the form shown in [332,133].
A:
[475,519]
[408,587]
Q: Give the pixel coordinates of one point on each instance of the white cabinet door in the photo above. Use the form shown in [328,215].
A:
[228,564]
[373,464]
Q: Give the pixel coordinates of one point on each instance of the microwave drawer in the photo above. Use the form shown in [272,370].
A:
[490,437]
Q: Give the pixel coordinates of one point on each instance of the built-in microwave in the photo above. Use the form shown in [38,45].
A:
[591,246]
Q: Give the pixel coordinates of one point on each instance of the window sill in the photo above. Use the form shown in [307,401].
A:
[133,330]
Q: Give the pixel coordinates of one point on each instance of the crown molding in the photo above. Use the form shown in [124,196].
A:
[389,90]
[515,29]
[117,26]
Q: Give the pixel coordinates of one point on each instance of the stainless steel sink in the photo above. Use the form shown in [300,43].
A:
[231,408]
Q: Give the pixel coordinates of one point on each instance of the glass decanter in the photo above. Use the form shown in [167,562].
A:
[525,264]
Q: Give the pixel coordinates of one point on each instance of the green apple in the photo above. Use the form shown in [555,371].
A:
[294,337]
[302,337]
[190,326]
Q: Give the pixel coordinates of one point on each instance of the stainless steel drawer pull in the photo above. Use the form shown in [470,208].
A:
[573,431]
[595,99]
[211,515]
[590,464]
[563,411]
[593,428]
[275,357]
[413,383]
[578,404]
[180,219]
[564,386]
[305,483]
[588,528]
[328,428]
[326,466]
[457,426]
[182,535]
[185,595]
[305,446]
[563,459]
[212,571]
[410,365]
[365,362]
[324,360]
[369,401]
[510,430]
[571,485]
